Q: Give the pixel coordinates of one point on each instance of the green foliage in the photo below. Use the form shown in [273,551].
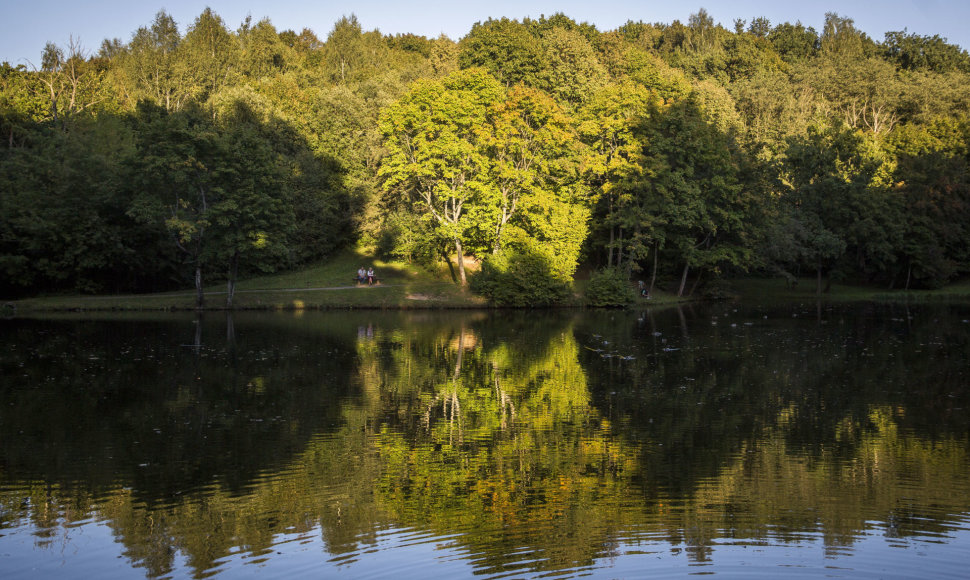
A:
[221,191]
[843,216]
[519,277]
[690,186]
[263,51]
[151,64]
[408,237]
[63,223]
[933,184]
[609,287]
[794,42]
[914,52]
[351,54]
[573,71]
[437,156]
[610,125]
[507,49]
[475,160]
[674,147]
[535,154]
[210,55]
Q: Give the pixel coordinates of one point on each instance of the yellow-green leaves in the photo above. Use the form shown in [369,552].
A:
[474,156]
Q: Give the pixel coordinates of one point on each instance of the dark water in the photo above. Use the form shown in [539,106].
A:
[795,441]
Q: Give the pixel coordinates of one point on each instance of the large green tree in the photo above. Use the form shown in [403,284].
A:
[691,178]
[507,49]
[932,178]
[841,213]
[150,65]
[533,151]
[63,224]
[210,55]
[610,125]
[214,185]
[436,141]
[573,71]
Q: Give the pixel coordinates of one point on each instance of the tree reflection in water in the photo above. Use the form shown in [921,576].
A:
[533,443]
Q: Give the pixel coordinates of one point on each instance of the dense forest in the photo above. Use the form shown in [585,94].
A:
[677,154]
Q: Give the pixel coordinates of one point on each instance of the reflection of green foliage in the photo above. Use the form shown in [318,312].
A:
[538,444]
[868,477]
[519,445]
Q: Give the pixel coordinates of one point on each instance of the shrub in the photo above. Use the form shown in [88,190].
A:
[609,287]
[718,289]
[519,278]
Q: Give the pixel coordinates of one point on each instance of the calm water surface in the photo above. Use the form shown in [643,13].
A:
[803,441]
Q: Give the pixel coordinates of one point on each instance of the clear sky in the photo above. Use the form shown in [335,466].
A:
[29,24]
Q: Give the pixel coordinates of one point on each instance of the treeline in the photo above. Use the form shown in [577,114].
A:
[677,154]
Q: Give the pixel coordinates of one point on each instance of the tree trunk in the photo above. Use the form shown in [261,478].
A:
[818,280]
[460,255]
[683,280]
[653,275]
[455,403]
[619,251]
[635,250]
[451,267]
[683,322]
[609,248]
[199,296]
[700,274]
[461,350]
[231,283]
[502,220]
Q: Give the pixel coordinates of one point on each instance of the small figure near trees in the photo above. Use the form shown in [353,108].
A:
[370,276]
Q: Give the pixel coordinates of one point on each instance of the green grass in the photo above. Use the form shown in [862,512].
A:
[775,289]
[325,285]
[330,285]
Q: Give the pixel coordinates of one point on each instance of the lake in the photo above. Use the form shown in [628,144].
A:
[738,441]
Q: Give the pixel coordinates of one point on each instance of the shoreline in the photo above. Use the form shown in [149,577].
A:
[438,295]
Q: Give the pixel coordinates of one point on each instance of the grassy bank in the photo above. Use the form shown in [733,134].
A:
[328,285]
[775,289]
[331,285]
[325,285]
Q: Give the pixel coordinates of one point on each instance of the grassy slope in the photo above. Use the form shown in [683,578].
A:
[326,285]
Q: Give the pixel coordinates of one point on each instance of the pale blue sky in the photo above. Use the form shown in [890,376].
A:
[29,24]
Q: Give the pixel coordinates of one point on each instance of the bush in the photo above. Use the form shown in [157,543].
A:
[519,279]
[718,289]
[609,287]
